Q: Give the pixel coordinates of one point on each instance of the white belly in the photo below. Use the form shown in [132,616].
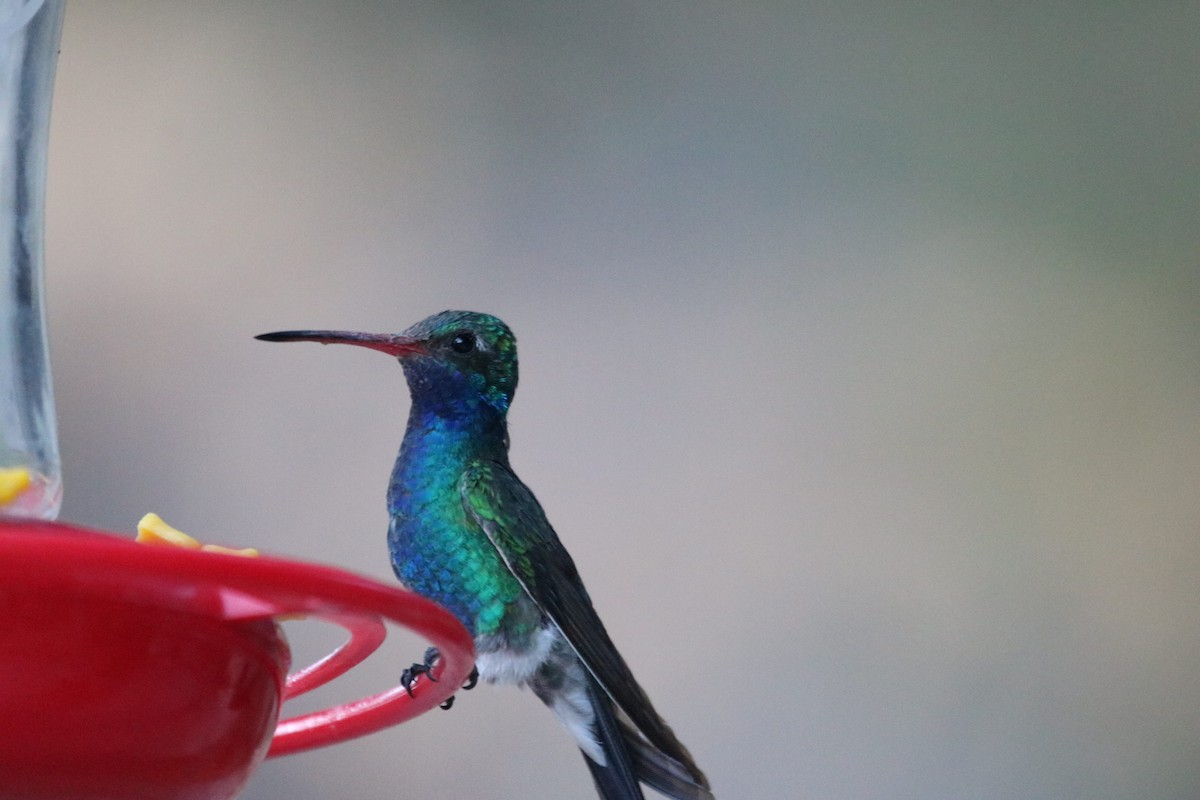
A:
[508,666]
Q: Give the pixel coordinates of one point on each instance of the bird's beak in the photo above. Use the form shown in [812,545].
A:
[393,344]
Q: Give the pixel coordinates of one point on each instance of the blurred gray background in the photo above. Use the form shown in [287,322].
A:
[860,357]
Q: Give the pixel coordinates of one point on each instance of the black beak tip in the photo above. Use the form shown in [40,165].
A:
[276,336]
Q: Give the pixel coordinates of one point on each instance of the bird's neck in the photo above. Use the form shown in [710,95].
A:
[442,438]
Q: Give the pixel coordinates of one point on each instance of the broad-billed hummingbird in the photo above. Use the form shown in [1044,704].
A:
[468,534]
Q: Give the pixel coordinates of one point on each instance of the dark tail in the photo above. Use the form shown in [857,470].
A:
[616,780]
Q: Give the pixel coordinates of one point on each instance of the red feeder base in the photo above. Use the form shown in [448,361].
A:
[153,702]
[129,671]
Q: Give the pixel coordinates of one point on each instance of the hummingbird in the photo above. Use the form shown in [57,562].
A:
[465,532]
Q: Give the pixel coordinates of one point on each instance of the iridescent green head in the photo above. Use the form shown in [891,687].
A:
[464,346]
[451,358]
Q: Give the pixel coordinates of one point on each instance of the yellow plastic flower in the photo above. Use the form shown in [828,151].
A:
[13,481]
[152,530]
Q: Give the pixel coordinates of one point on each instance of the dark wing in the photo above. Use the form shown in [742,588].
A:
[513,520]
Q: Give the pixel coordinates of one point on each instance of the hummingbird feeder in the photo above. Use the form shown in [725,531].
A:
[135,671]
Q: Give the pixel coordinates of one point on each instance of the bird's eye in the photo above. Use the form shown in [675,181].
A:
[463,342]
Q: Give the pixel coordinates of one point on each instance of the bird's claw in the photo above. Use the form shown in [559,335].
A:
[472,679]
[425,667]
[410,675]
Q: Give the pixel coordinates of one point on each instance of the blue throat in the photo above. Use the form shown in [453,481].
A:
[436,551]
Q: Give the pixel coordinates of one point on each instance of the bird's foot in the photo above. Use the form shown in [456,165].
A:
[472,679]
[425,667]
[410,675]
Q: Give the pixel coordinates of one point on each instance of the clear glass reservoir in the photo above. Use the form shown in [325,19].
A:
[30,472]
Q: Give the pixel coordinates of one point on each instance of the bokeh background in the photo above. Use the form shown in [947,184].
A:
[860,349]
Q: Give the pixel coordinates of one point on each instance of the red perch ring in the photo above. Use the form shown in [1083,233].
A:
[131,671]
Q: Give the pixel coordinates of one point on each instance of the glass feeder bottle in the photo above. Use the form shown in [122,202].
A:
[29,36]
